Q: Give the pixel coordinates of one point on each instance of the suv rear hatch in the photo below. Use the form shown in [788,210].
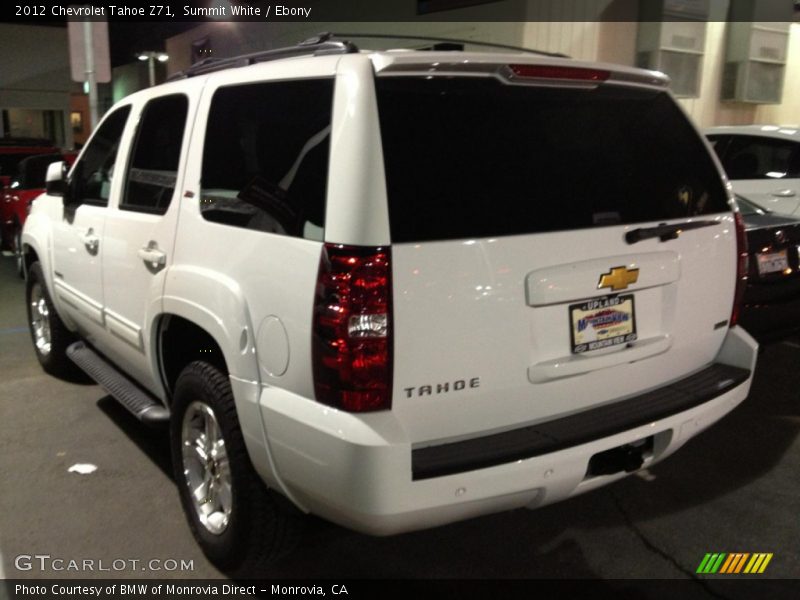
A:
[534,270]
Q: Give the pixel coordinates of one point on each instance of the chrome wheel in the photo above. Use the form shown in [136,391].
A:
[40,320]
[206,468]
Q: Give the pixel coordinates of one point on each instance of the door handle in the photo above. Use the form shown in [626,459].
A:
[152,255]
[91,241]
[787,193]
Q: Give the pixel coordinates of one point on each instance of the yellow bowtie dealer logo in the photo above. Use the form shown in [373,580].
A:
[618,278]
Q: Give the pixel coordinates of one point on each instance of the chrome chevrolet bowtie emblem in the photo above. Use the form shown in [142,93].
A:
[618,278]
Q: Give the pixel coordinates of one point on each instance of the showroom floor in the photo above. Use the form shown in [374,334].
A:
[736,488]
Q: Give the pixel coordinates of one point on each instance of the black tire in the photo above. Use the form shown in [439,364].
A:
[18,254]
[259,528]
[52,357]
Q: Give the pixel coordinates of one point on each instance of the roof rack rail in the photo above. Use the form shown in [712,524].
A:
[317,45]
[334,43]
[448,41]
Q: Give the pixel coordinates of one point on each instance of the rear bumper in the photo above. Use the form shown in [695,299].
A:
[574,430]
[359,471]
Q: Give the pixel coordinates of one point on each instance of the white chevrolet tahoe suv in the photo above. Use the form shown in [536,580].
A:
[397,288]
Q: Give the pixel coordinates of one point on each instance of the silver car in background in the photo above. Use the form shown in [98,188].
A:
[763,163]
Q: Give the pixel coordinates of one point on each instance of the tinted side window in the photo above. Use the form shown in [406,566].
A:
[153,167]
[468,157]
[265,161]
[752,157]
[91,178]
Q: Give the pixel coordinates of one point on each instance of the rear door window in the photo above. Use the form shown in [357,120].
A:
[474,157]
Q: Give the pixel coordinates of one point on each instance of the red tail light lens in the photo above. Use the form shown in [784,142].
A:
[741,267]
[555,72]
[352,337]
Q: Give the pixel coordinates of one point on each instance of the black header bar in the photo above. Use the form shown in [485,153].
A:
[346,11]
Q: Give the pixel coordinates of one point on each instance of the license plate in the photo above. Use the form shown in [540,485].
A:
[772,262]
[602,322]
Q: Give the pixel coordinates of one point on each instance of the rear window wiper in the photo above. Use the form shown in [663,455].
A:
[665,232]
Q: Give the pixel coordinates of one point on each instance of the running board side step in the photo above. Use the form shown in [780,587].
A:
[141,404]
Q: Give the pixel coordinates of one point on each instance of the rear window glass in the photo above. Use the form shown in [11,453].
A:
[752,157]
[468,157]
[748,209]
[9,163]
[32,171]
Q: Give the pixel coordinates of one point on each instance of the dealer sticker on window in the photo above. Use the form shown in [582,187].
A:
[602,322]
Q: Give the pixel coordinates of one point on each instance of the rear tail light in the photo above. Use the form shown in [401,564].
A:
[352,336]
[741,267]
[557,72]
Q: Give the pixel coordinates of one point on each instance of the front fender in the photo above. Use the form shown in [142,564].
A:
[37,237]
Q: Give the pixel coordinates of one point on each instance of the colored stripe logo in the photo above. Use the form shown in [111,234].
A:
[734,563]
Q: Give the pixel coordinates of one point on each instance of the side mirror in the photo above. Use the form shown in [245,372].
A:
[56,179]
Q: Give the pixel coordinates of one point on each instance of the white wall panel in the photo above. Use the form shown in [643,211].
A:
[788,111]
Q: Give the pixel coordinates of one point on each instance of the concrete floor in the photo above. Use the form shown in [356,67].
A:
[127,509]
[736,488]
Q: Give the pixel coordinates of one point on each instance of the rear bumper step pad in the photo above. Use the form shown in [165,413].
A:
[580,428]
[143,406]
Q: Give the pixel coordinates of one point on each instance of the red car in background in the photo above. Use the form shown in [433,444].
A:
[23,165]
